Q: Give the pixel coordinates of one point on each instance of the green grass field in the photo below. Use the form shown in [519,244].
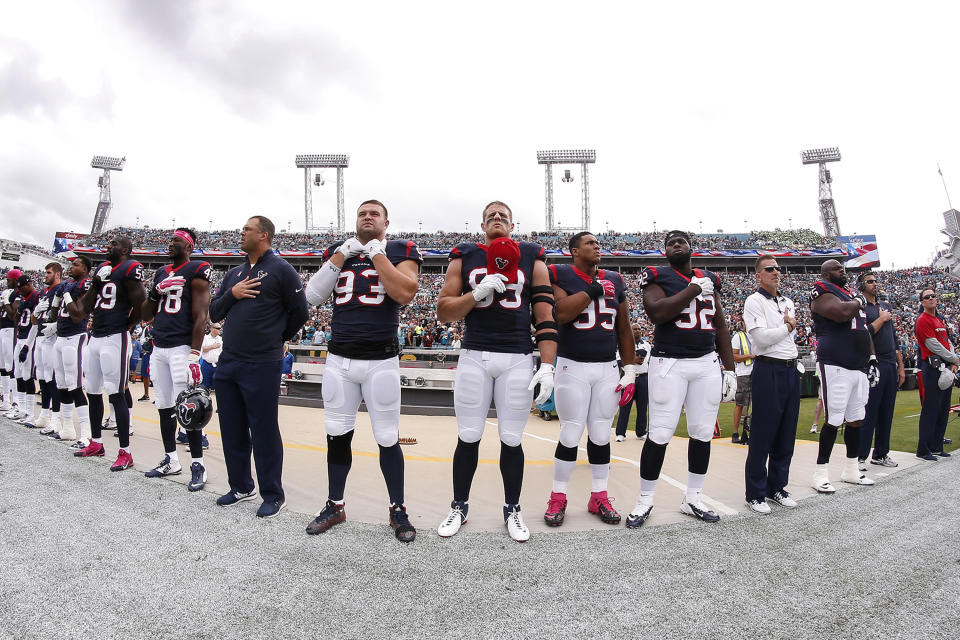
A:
[903,435]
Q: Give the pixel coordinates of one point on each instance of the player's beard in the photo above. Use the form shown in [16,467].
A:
[679,259]
[840,281]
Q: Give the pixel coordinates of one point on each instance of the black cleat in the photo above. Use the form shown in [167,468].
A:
[698,510]
[400,522]
[330,515]
[638,516]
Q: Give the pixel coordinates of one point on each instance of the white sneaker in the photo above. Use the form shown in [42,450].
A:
[12,413]
[111,423]
[515,527]
[853,475]
[167,467]
[621,438]
[759,506]
[783,499]
[813,429]
[454,520]
[20,417]
[821,480]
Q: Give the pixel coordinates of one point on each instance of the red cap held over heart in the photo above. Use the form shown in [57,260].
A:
[503,256]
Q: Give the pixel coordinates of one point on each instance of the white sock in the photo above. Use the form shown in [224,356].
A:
[125,449]
[695,483]
[97,440]
[600,473]
[173,456]
[83,418]
[562,470]
[31,402]
[200,460]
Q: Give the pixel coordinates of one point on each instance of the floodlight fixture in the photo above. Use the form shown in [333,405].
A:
[310,161]
[828,210]
[819,156]
[567,156]
[583,157]
[322,160]
[108,163]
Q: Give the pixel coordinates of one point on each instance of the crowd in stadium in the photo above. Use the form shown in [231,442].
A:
[793,239]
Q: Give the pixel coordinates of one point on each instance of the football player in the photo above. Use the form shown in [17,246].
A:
[370,278]
[499,288]
[49,418]
[68,352]
[8,323]
[22,309]
[115,301]
[847,370]
[684,305]
[594,320]
[178,304]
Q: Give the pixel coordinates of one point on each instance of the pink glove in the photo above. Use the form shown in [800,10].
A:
[609,290]
[193,368]
[169,284]
[627,385]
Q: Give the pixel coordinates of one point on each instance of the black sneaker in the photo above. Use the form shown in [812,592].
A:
[400,522]
[233,497]
[330,515]
[272,508]
[941,454]
[143,399]
[735,438]
[929,457]
[947,441]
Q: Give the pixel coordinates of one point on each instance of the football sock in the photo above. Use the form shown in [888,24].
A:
[121,414]
[195,443]
[651,462]
[339,461]
[599,457]
[95,401]
[828,436]
[391,465]
[168,429]
[564,461]
[465,459]
[511,468]
[851,437]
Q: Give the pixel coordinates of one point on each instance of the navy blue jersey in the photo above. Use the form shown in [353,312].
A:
[691,333]
[173,322]
[592,337]
[49,294]
[500,322]
[842,344]
[27,305]
[65,326]
[362,310]
[111,312]
[6,320]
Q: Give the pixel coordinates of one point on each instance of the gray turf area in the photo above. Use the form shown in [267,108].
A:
[88,553]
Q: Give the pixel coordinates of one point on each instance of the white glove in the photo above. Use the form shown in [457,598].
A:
[543,377]
[705,284]
[57,301]
[375,247]
[862,301]
[490,283]
[729,392]
[629,376]
[42,307]
[104,272]
[5,296]
[50,329]
[350,248]
[67,298]
[170,284]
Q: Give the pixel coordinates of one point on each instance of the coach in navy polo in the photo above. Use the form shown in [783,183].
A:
[263,303]
[770,322]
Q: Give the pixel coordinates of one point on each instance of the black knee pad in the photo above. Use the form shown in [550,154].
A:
[78,396]
[568,454]
[338,449]
[598,453]
[698,456]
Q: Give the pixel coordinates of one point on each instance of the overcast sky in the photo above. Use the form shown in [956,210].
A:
[697,111]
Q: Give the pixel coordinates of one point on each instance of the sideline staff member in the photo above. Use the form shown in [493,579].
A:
[263,297]
[770,322]
[934,342]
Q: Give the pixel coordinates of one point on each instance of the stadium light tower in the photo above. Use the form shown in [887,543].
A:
[307,162]
[828,211]
[108,164]
[583,157]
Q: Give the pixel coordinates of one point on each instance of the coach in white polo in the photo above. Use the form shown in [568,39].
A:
[770,322]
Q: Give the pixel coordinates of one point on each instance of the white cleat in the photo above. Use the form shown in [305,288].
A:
[515,526]
[853,475]
[821,480]
[759,506]
[454,520]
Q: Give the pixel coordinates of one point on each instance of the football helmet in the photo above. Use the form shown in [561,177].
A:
[194,408]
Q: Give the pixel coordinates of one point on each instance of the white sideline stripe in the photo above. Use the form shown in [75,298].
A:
[716,504]
[916,415]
